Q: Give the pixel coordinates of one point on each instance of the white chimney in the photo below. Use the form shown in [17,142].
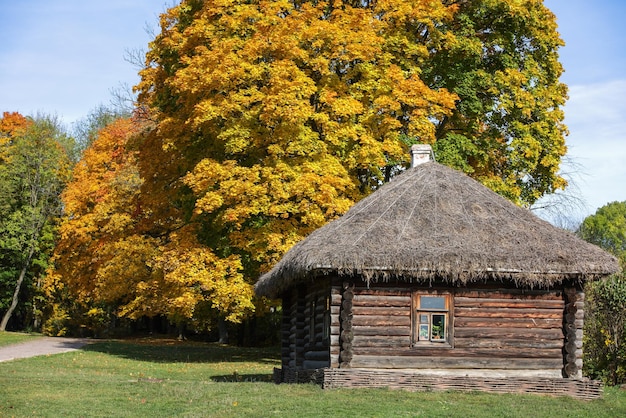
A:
[420,154]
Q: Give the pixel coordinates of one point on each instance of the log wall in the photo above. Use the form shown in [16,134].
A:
[491,328]
[347,325]
[305,328]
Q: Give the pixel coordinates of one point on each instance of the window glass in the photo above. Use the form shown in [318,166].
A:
[433,302]
[438,328]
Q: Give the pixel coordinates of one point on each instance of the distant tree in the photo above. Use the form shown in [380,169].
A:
[607,229]
[35,164]
[86,129]
[605,323]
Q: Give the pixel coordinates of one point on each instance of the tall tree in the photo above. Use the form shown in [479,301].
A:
[269,123]
[272,117]
[35,166]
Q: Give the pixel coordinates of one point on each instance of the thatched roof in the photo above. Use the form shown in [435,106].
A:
[435,223]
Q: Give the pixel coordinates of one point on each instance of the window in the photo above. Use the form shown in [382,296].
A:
[431,321]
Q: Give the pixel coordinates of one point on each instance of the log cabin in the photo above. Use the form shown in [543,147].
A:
[436,282]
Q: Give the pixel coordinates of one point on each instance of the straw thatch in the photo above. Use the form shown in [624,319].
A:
[435,223]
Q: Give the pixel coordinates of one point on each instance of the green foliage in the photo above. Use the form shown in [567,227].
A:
[605,324]
[35,164]
[86,130]
[507,128]
[605,330]
[607,229]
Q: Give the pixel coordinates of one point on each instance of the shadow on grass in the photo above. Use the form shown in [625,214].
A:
[244,377]
[172,351]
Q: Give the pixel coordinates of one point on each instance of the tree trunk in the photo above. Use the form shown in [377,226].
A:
[16,294]
[18,285]
[223,330]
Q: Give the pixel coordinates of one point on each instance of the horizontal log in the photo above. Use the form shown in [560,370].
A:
[468,322]
[416,362]
[383,301]
[383,291]
[508,333]
[445,351]
[381,310]
[508,313]
[381,331]
[511,294]
[381,341]
[382,320]
[465,302]
[511,343]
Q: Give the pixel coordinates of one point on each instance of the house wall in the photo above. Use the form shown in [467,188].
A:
[492,327]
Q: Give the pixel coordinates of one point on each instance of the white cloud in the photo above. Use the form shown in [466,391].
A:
[596,117]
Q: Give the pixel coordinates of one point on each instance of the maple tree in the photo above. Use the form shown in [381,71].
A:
[35,164]
[107,259]
[269,124]
[273,117]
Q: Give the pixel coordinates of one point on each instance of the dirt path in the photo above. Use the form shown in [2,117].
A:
[40,347]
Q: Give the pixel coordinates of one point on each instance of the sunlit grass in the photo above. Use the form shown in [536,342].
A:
[8,338]
[168,378]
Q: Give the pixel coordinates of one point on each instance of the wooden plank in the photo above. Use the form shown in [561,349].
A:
[417,362]
[508,313]
[466,302]
[381,320]
[468,322]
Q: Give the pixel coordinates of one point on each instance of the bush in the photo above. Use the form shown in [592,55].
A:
[605,330]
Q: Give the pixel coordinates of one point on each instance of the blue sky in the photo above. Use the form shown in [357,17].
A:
[64,57]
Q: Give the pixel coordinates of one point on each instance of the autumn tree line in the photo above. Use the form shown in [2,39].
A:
[255,123]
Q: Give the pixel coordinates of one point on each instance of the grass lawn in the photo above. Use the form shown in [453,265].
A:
[167,378]
[7,338]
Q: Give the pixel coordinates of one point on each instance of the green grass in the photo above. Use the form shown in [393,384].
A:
[7,338]
[167,378]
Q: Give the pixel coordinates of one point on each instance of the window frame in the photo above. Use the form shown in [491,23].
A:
[417,323]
